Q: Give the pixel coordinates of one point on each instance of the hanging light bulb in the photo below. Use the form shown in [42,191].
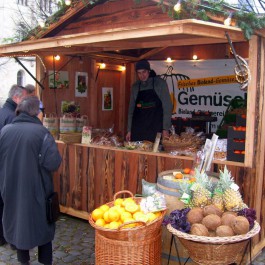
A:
[227,21]
[41,23]
[177,6]
[194,57]
[123,67]
[68,2]
[169,60]
[57,57]
[102,65]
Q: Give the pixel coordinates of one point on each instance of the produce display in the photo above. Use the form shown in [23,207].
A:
[127,213]
[212,209]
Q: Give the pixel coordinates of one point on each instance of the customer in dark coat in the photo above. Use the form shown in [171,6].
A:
[7,114]
[23,153]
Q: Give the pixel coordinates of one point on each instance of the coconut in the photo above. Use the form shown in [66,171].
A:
[211,221]
[230,212]
[228,219]
[195,215]
[199,230]
[224,230]
[212,234]
[211,209]
[240,225]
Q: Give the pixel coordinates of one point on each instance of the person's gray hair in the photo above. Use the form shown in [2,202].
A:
[16,90]
[29,105]
[30,88]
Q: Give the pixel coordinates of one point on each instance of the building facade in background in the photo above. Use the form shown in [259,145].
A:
[15,14]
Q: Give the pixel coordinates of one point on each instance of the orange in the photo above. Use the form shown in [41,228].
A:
[158,214]
[141,217]
[97,214]
[137,214]
[118,201]
[151,217]
[125,215]
[104,207]
[106,217]
[100,222]
[114,225]
[186,170]
[192,179]
[127,220]
[127,200]
[131,207]
[114,215]
[178,175]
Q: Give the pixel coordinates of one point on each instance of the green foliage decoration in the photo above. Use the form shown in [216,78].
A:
[205,9]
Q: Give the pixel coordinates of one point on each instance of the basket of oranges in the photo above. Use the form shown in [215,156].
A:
[125,234]
[122,219]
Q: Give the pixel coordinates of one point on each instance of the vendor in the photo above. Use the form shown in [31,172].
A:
[150,107]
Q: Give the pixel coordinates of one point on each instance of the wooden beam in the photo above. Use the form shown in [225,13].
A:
[169,29]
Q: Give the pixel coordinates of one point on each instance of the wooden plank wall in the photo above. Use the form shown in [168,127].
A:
[90,176]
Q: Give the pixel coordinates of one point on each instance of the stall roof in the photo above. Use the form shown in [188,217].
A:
[160,35]
[119,42]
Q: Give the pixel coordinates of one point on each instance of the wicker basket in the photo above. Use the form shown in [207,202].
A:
[180,146]
[138,233]
[215,250]
[69,138]
[117,252]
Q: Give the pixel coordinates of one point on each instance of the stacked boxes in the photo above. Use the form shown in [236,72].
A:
[236,136]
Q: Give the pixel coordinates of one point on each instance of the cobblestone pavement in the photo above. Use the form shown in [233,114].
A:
[74,244]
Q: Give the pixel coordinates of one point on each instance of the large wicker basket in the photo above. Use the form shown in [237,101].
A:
[138,233]
[215,250]
[119,252]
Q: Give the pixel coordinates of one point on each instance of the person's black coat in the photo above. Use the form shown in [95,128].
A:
[22,153]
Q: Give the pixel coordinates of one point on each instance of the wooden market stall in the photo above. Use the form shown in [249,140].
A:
[119,33]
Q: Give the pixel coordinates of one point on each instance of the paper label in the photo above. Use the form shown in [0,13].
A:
[234,187]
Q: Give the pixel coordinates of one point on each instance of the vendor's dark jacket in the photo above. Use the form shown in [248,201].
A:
[7,112]
[23,153]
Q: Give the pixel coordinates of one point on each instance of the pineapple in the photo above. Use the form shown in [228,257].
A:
[232,197]
[201,190]
[217,199]
[186,194]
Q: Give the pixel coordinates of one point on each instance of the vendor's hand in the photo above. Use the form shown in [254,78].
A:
[165,134]
[128,137]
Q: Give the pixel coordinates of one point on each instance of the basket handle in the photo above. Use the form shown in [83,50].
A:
[131,222]
[121,192]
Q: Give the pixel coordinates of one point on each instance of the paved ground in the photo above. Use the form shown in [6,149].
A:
[73,244]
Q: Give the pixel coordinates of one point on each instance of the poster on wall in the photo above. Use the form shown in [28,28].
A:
[81,84]
[203,85]
[107,98]
[58,79]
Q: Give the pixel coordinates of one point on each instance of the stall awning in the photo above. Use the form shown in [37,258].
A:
[159,35]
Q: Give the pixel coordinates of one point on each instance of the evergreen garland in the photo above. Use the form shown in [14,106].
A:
[202,9]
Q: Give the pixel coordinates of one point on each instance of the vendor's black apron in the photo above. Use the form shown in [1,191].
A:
[147,118]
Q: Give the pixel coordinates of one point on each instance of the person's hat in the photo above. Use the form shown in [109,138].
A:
[142,64]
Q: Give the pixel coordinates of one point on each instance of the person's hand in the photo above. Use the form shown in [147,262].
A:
[165,133]
[128,137]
